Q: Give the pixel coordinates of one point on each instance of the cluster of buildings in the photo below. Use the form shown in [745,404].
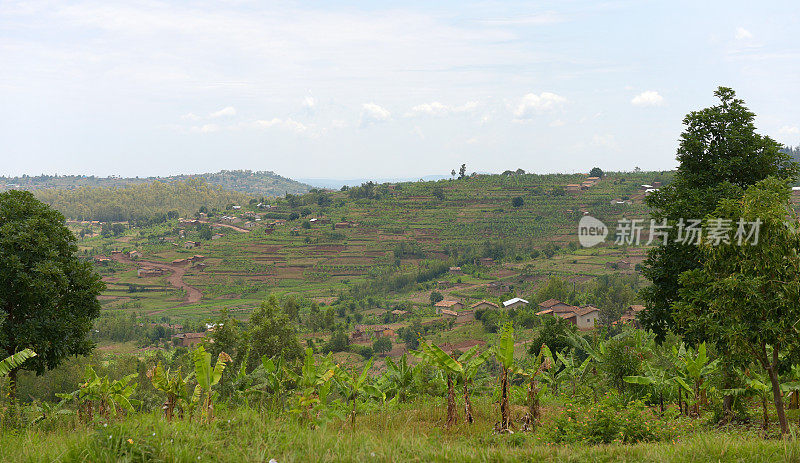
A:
[585,185]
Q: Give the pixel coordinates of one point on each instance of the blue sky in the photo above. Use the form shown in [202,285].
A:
[380,89]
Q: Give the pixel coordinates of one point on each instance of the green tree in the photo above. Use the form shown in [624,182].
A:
[517,201]
[596,172]
[720,155]
[48,297]
[436,296]
[745,296]
[271,334]
[382,344]
[205,232]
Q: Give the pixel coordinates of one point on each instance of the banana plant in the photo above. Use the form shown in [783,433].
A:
[435,356]
[207,377]
[693,371]
[541,363]
[400,377]
[572,370]
[504,352]
[658,379]
[355,387]
[754,387]
[14,361]
[314,385]
[111,397]
[175,386]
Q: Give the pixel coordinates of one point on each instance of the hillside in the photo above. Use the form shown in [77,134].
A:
[259,183]
[393,243]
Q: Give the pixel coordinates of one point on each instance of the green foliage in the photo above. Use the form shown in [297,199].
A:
[720,155]
[15,361]
[382,345]
[48,297]
[207,377]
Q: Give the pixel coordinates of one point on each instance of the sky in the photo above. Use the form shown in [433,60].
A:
[380,89]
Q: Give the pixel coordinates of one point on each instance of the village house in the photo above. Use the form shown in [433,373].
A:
[465,316]
[515,303]
[249,225]
[180,262]
[448,313]
[485,261]
[582,317]
[191,244]
[448,305]
[216,236]
[196,258]
[455,271]
[188,339]
[149,272]
[573,187]
[399,313]
[102,260]
[134,255]
[483,305]
[630,314]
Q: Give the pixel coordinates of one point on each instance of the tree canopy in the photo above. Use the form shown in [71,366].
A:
[720,155]
[48,298]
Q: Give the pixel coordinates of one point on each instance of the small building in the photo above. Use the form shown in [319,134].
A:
[465,316]
[448,313]
[554,305]
[197,258]
[188,339]
[629,316]
[149,272]
[455,271]
[586,317]
[448,305]
[485,261]
[399,313]
[134,255]
[216,236]
[102,260]
[573,187]
[515,303]
[180,262]
[483,305]
[191,244]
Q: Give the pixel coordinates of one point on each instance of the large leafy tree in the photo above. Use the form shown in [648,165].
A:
[720,155]
[746,295]
[48,297]
[271,334]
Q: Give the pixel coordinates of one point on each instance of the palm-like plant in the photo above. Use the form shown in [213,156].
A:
[464,368]
[504,352]
[658,379]
[541,363]
[693,370]
[111,397]
[400,377]
[313,384]
[573,371]
[14,361]
[207,377]
[355,386]
[174,385]
[754,387]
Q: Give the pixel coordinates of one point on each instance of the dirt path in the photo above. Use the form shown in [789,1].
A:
[234,227]
[175,278]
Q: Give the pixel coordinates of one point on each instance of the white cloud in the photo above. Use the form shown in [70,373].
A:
[190,117]
[648,98]
[309,102]
[557,123]
[372,113]
[533,104]
[743,34]
[206,128]
[436,108]
[789,130]
[604,141]
[226,111]
[285,124]
[433,109]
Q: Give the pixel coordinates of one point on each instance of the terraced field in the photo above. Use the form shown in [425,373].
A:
[407,228]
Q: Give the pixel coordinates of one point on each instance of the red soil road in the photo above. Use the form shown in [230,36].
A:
[175,278]
[234,227]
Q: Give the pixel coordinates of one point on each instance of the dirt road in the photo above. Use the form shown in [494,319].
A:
[175,278]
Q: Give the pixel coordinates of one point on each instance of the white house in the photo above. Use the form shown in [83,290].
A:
[514,303]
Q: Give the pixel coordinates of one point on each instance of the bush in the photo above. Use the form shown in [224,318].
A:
[364,351]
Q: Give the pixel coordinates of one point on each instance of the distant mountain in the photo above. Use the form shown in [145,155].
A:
[335,183]
[260,183]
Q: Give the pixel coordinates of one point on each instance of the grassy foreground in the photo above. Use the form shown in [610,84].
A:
[412,433]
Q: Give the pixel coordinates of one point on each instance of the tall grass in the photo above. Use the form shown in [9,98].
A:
[411,432]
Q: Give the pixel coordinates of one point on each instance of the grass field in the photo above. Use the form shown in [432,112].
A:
[410,433]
